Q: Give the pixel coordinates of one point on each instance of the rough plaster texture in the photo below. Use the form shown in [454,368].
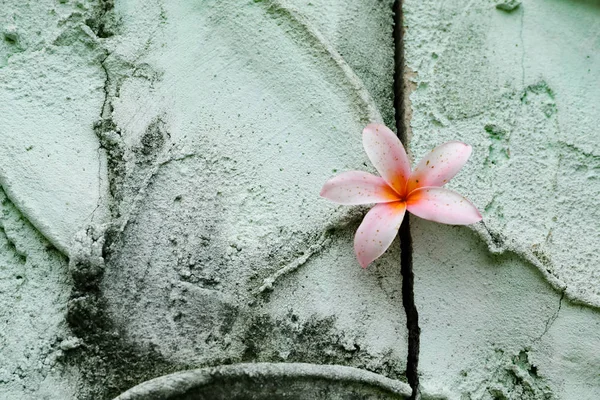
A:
[204,126]
[51,91]
[221,159]
[34,289]
[518,81]
[162,162]
[513,85]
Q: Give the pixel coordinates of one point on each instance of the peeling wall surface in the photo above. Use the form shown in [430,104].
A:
[160,169]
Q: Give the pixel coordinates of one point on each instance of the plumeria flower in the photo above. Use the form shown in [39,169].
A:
[398,190]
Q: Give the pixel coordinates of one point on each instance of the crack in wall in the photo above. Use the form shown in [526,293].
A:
[106,106]
[412,314]
[499,244]
[406,260]
[22,256]
[552,319]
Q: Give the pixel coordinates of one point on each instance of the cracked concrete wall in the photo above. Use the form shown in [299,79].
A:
[162,162]
[509,311]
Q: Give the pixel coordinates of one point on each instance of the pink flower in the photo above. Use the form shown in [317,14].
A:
[398,190]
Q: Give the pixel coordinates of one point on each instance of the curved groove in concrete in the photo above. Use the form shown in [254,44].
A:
[44,229]
[264,378]
[372,112]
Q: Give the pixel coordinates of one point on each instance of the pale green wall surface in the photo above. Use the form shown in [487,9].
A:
[51,91]
[511,311]
[173,153]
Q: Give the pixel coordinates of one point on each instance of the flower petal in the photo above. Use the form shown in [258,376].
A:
[442,205]
[377,231]
[440,165]
[387,155]
[357,187]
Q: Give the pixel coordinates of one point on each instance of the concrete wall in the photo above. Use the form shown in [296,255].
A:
[160,168]
[509,307]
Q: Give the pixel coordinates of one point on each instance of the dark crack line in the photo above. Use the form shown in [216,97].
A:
[552,319]
[406,260]
[408,300]
[13,245]
[399,73]
[105,110]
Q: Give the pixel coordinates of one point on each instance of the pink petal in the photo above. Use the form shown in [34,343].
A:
[357,187]
[387,155]
[442,205]
[440,165]
[377,231]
